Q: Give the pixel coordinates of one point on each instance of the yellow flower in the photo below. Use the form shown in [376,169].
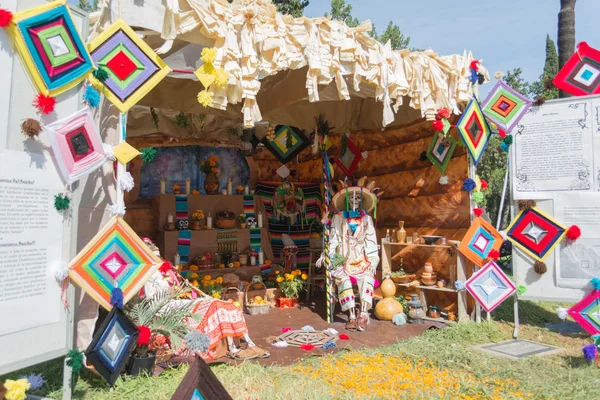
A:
[193,275]
[219,279]
[195,283]
[279,279]
[221,77]
[277,272]
[206,278]
[208,55]
[205,98]
[289,277]
[217,295]
[194,268]
[205,283]
[304,277]
[16,390]
[297,272]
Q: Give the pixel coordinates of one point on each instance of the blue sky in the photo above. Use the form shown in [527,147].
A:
[504,37]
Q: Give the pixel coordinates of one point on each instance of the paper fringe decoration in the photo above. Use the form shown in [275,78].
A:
[62,202]
[525,204]
[108,151]
[540,267]
[45,104]
[443,180]
[6,17]
[468,185]
[126,182]
[91,96]
[61,271]
[116,298]
[281,344]
[562,313]
[31,128]
[595,282]
[36,381]
[573,233]
[148,154]
[116,210]
[197,342]
[75,361]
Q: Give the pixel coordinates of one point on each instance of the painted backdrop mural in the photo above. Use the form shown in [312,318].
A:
[176,164]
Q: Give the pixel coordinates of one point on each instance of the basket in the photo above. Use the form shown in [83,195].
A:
[256,309]
[225,220]
[231,293]
[403,278]
[162,356]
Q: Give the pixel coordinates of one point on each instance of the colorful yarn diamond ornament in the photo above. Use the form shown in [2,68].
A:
[580,76]
[505,107]
[440,151]
[481,239]
[349,157]
[490,286]
[116,258]
[133,68]
[48,42]
[587,313]
[283,148]
[474,129]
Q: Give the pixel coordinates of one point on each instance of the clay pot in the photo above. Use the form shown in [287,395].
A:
[287,302]
[211,183]
[388,288]
[197,225]
[387,308]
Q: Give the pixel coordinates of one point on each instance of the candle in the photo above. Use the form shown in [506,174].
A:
[246,190]
[261,257]
[188,186]
[209,221]
[170,218]
[229,187]
[252,259]
[177,259]
[260,220]
[163,186]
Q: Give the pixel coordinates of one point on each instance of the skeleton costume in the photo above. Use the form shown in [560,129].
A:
[353,237]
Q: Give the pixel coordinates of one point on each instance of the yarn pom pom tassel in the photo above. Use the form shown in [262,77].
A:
[478,212]
[75,361]
[521,290]
[562,313]
[91,96]
[595,282]
[443,180]
[62,202]
[101,74]
[573,233]
[590,352]
[494,254]
[148,154]
[525,204]
[61,271]
[197,342]
[6,17]
[44,104]
[540,267]
[108,152]
[468,185]
[117,210]
[116,298]
[477,198]
[31,128]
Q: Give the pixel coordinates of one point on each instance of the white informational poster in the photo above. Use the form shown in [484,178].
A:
[31,240]
[553,150]
[578,262]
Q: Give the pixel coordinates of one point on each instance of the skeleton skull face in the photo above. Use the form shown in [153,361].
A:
[251,222]
[355,201]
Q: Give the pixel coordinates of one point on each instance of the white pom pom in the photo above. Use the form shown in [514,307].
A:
[331,331]
[498,75]
[443,180]
[562,313]
[283,343]
[116,210]
[108,151]
[308,328]
[126,181]
[364,154]
[61,271]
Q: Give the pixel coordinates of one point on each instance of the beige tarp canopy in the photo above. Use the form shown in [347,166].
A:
[287,70]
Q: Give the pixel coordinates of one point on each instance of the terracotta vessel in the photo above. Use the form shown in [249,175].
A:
[388,288]
[287,302]
[197,225]
[211,183]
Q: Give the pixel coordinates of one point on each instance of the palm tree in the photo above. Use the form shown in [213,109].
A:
[566,34]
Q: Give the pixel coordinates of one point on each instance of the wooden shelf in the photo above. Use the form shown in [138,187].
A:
[433,246]
[443,320]
[425,287]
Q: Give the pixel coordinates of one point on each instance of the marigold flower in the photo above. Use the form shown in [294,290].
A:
[280,279]
[214,170]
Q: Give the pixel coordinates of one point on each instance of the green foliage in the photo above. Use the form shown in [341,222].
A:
[155,120]
[162,317]
[293,7]
[392,33]
[514,80]
[88,6]
[342,12]
[291,288]
[491,168]
[181,120]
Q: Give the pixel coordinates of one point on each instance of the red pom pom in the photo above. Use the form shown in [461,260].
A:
[45,104]
[484,184]
[494,255]
[573,233]
[443,113]
[478,212]
[437,125]
[6,17]
[502,133]
[165,267]
[344,337]
[475,65]
[307,347]
[145,335]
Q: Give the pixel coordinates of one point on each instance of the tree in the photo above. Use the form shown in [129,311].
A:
[514,80]
[566,34]
[395,36]
[342,12]
[544,86]
[293,7]
[88,6]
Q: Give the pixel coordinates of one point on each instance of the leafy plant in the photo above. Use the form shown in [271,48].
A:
[161,316]
[210,166]
[398,273]
[402,300]
[292,284]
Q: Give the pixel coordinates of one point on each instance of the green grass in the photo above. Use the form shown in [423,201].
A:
[564,375]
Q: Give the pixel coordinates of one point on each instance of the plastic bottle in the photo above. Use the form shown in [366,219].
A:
[387,236]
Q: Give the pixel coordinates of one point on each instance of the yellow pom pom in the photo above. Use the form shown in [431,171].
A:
[221,77]
[209,54]
[16,390]
[204,98]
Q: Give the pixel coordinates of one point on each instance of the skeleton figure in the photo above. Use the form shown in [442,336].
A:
[251,222]
[353,240]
